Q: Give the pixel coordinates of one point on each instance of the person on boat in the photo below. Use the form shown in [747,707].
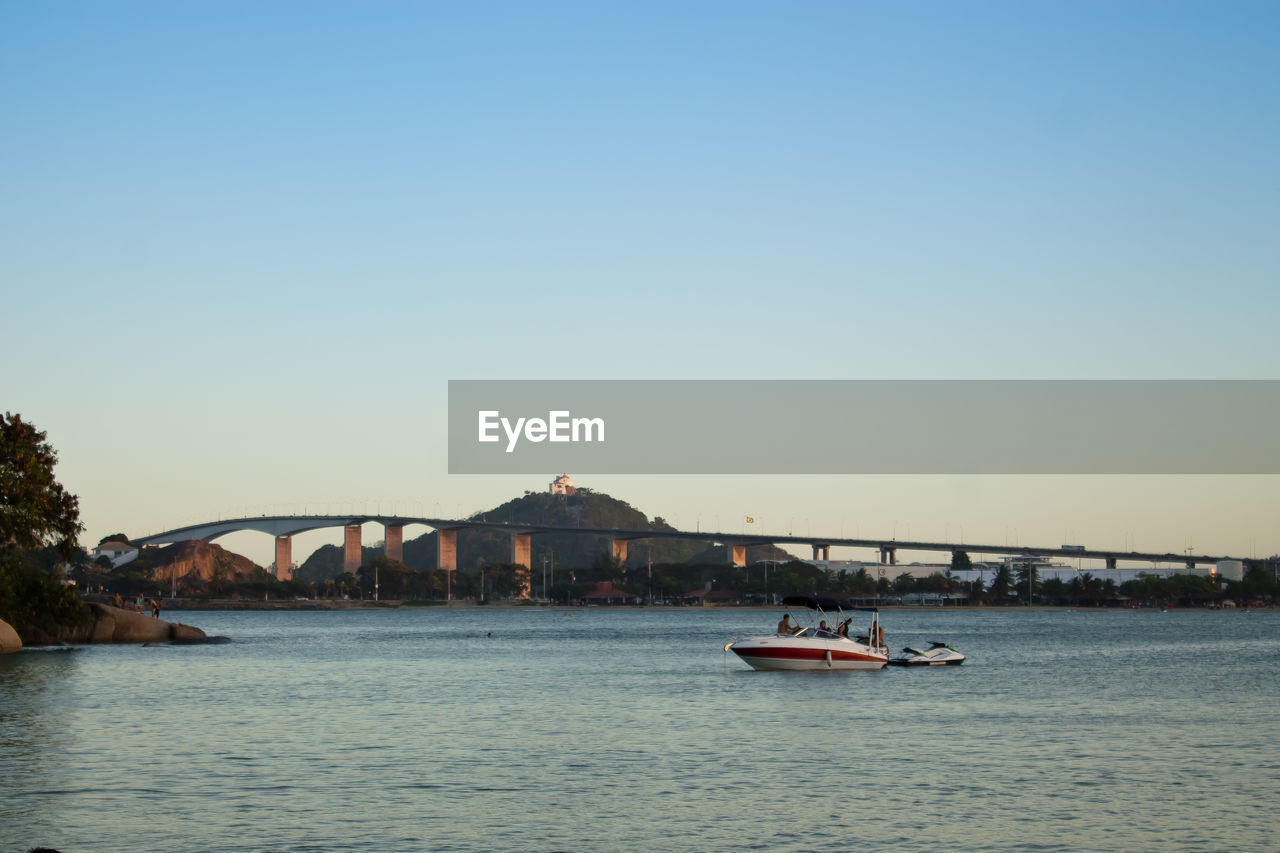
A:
[785,626]
[843,630]
[822,627]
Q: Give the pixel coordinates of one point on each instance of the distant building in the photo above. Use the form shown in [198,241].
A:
[1232,570]
[118,553]
[605,594]
[562,485]
[708,597]
[1046,569]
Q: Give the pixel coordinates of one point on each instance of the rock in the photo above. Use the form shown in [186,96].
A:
[180,633]
[104,627]
[110,625]
[201,641]
[9,639]
[114,625]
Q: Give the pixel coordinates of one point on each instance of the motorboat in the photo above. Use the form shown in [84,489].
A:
[817,645]
[938,654]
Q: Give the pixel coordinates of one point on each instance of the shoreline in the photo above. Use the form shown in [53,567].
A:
[366,604]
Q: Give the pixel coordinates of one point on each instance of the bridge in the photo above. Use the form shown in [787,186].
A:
[285,527]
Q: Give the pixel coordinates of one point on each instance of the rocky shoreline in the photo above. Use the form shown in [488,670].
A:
[110,625]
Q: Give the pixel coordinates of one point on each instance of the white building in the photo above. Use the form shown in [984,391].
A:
[118,553]
[562,485]
[1045,568]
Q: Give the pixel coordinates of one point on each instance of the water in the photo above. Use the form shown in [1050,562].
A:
[602,730]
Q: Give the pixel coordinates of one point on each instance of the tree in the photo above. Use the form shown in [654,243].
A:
[1257,584]
[935,583]
[393,578]
[977,590]
[1027,585]
[1054,591]
[960,561]
[345,584]
[35,513]
[1000,584]
[507,580]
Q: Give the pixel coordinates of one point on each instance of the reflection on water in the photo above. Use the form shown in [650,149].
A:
[629,730]
[35,691]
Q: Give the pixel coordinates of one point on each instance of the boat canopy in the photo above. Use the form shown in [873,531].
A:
[814,602]
[811,602]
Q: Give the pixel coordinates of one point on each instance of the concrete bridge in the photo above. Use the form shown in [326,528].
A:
[284,527]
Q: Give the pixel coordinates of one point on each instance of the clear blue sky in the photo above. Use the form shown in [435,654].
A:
[243,246]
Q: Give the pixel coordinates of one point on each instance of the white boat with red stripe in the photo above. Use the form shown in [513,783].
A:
[817,645]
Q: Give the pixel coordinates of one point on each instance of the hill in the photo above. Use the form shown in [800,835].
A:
[193,564]
[586,508]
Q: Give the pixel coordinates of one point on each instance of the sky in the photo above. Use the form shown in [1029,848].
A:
[244,246]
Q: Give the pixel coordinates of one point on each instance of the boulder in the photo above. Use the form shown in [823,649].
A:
[201,640]
[104,627]
[9,639]
[114,625]
[180,633]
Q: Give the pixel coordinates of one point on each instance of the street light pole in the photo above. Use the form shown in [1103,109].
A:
[649,553]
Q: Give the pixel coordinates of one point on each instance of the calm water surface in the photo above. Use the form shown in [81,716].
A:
[600,730]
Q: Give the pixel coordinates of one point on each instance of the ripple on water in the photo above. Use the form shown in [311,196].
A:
[405,731]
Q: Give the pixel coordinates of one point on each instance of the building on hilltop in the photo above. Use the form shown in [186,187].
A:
[562,485]
[118,553]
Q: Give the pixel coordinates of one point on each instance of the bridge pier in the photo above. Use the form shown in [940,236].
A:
[1111,562]
[447,550]
[888,555]
[821,552]
[520,547]
[1191,565]
[738,554]
[284,558]
[618,550]
[351,549]
[394,542]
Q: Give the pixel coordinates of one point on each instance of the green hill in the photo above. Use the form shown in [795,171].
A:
[571,551]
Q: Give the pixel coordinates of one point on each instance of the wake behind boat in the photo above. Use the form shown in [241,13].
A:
[815,646]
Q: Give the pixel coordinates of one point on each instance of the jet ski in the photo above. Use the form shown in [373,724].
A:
[939,654]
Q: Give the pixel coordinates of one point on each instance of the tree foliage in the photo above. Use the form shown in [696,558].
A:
[1000,584]
[506,580]
[394,580]
[35,511]
[36,514]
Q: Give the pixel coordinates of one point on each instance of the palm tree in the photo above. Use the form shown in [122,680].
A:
[1000,584]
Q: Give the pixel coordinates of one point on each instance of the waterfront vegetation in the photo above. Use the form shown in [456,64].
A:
[715,583]
[39,523]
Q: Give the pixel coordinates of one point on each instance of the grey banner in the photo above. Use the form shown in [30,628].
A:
[864,427]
